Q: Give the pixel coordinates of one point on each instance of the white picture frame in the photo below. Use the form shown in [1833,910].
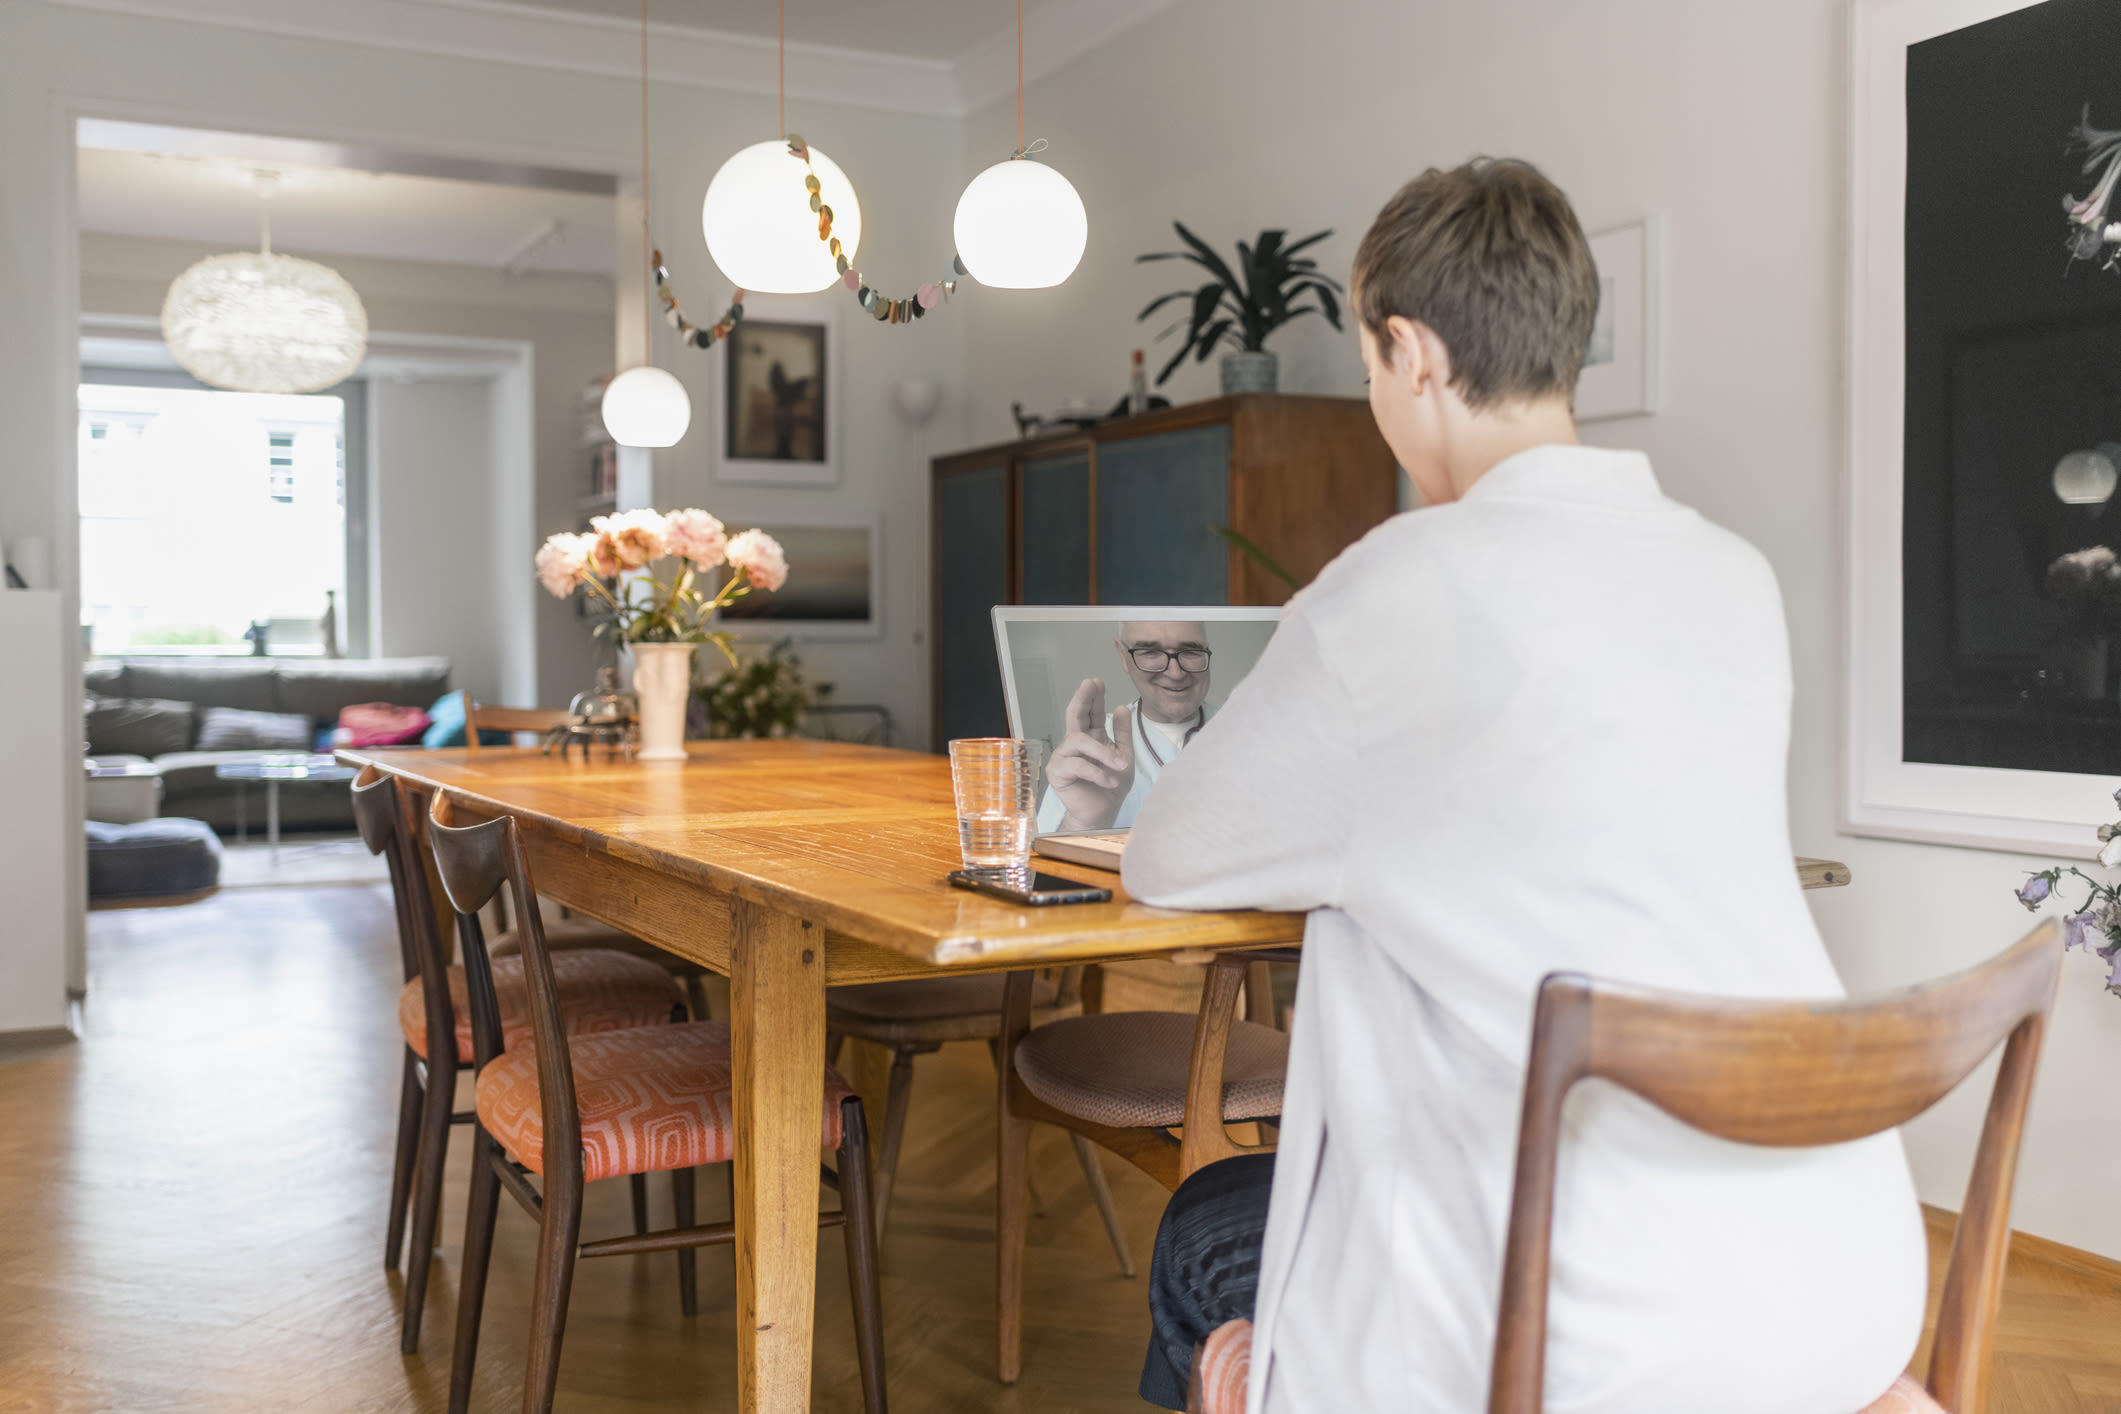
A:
[1621,370]
[820,312]
[795,533]
[1882,794]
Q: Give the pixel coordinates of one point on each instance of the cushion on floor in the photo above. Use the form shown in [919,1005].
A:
[599,991]
[1223,1365]
[162,858]
[925,998]
[656,1097]
[1128,1069]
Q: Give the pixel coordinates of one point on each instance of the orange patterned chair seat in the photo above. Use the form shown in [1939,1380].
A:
[1223,1366]
[599,991]
[656,1097]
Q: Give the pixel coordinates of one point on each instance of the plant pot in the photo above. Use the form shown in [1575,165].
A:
[1258,372]
[2090,668]
[662,680]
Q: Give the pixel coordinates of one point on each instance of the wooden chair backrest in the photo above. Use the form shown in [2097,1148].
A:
[1787,1074]
[480,717]
[476,861]
[389,826]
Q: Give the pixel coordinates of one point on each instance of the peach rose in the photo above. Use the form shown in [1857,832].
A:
[696,536]
[561,561]
[759,556]
[630,538]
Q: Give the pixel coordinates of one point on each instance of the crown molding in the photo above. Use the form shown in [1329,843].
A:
[1056,33]
[538,38]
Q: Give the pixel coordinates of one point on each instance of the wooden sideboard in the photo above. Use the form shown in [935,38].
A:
[1127,512]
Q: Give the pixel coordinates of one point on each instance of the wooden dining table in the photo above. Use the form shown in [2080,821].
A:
[789,867]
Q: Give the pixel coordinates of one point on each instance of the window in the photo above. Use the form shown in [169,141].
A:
[280,466]
[203,512]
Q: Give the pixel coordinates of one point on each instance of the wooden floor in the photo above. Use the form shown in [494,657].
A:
[194,1194]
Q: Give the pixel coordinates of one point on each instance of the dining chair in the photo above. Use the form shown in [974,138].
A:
[602,991]
[921,1015]
[1781,1074]
[571,1108]
[562,934]
[1125,1080]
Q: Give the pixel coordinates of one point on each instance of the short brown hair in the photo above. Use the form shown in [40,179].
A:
[1490,256]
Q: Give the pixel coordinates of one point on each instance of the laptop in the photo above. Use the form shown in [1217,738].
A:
[1168,667]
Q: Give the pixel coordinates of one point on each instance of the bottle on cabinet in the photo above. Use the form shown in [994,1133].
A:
[1137,388]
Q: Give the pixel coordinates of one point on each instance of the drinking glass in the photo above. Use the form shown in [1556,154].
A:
[996,782]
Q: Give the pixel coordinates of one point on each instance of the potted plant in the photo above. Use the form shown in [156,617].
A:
[2087,585]
[1241,306]
[760,697]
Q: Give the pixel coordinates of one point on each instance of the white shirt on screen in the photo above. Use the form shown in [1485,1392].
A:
[1543,728]
[1164,742]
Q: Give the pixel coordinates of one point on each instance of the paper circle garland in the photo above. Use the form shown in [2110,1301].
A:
[762,227]
[254,322]
[1020,226]
[646,407]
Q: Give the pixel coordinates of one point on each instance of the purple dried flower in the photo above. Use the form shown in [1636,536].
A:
[2079,930]
[2035,892]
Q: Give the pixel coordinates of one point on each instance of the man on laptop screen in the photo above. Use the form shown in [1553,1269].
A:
[1106,762]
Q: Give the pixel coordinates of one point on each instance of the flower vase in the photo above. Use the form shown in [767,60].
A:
[662,679]
[2091,667]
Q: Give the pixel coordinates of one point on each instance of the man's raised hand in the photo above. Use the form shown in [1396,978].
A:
[1092,769]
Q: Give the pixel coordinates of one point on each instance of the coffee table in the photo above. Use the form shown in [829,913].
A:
[272,770]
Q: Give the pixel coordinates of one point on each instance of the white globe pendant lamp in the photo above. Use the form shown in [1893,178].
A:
[256,322]
[761,229]
[644,406]
[1020,226]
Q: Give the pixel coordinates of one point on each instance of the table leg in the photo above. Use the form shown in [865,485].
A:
[777,1005]
[272,817]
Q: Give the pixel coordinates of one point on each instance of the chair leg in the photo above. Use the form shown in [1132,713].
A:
[1012,1184]
[898,1096]
[440,1098]
[681,1195]
[407,1158]
[558,1234]
[696,997]
[639,1183]
[860,1235]
[478,1256]
[833,1041]
[1094,1176]
[1038,1199]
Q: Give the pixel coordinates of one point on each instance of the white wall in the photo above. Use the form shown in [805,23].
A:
[34,786]
[1729,120]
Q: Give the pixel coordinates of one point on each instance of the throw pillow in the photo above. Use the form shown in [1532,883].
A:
[379,724]
[137,726]
[233,729]
[446,726]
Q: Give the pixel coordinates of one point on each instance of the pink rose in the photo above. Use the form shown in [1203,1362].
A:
[632,538]
[561,561]
[759,556]
[696,536]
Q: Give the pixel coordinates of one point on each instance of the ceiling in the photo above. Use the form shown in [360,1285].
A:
[340,211]
[931,29]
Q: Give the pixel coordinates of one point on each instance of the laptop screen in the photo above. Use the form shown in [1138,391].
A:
[1148,677]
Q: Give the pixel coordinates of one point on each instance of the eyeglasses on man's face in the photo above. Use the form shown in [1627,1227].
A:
[1155,660]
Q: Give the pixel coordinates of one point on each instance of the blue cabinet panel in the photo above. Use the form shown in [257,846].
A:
[1159,502]
[972,576]
[1055,501]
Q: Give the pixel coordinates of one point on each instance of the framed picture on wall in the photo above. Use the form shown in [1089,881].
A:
[1620,368]
[779,421]
[835,585]
[1984,417]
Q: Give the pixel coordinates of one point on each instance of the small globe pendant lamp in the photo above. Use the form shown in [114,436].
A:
[1020,225]
[256,322]
[761,224]
[644,406]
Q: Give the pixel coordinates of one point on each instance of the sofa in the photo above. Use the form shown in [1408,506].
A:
[156,708]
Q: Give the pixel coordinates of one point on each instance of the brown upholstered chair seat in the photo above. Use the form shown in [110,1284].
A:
[925,998]
[1127,1070]
[570,934]
[599,991]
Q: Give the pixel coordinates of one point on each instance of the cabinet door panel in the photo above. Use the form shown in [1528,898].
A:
[1159,502]
[1055,535]
[972,576]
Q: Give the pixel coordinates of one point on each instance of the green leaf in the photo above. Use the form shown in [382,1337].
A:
[1213,335]
[1159,302]
[1176,359]
[1258,556]
[1208,257]
[1312,239]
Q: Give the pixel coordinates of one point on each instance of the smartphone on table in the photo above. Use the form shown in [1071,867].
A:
[1039,891]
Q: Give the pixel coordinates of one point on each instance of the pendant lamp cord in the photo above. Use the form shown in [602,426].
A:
[1019,75]
[784,67]
[647,260]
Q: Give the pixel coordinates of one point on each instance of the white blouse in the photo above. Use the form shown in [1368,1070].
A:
[1544,728]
